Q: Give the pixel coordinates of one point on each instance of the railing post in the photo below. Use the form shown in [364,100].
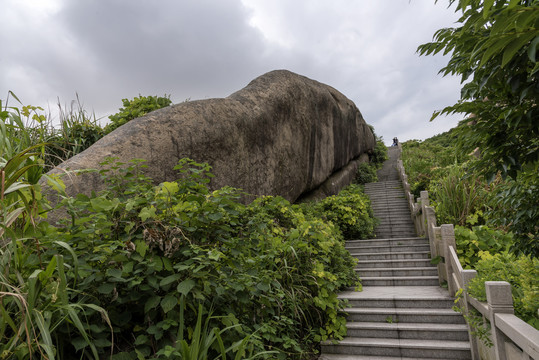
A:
[430,223]
[448,239]
[467,276]
[424,202]
[499,300]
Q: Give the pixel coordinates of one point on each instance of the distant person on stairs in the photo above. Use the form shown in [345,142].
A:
[395,142]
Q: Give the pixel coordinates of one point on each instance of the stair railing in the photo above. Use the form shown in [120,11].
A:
[512,338]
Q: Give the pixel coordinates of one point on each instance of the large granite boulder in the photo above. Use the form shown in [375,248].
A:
[283,134]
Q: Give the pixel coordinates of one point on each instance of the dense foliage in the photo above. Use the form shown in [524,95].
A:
[473,243]
[483,214]
[521,272]
[135,108]
[428,160]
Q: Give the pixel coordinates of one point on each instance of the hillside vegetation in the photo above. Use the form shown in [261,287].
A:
[495,226]
[173,271]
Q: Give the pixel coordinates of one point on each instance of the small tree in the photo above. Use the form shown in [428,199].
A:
[494,50]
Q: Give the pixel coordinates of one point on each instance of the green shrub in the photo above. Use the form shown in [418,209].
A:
[513,206]
[366,173]
[473,243]
[350,211]
[521,272]
[379,154]
[135,108]
[266,268]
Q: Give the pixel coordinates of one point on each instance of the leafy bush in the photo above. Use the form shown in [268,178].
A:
[350,211]
[366,173]
[266,269]
[513,206]
[135,108]
[473,243]
[379,154]
[521,272]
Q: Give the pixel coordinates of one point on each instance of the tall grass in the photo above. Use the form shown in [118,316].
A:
[460,198]
[24,126]
[37,306]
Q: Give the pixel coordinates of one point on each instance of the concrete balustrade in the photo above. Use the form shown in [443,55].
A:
[512,338]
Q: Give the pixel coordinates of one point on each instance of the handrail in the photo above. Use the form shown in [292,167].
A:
[512,337]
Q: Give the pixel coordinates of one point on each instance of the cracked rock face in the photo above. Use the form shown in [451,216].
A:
[283,134]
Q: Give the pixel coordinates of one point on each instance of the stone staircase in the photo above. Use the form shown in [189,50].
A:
[402,312]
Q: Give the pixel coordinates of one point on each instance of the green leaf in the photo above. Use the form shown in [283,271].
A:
[147,213]
[141,247]
[492,48]
[105,288]
[185,286]
[169,302]
[170,279]
[115,273]
[486,8]
[532,49]
[514,46]
[512,4]
[79,343]
[141,340]
[102,204]
[152,303]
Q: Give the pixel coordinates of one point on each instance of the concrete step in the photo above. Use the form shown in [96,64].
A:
[383,214]
[394,221]
[412,271]
[405,255]
[394,216]
[381,241]
[390,185]
[396,227]
[400,303]
[391,248]
[389,208]
[400,281]
[404,315]
[405,219]
[413,348]
[458,332]
[395,263]
[395,234]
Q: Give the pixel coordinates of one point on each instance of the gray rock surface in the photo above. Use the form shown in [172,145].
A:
[283,134]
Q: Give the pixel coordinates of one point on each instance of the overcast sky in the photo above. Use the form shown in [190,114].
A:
[196,49]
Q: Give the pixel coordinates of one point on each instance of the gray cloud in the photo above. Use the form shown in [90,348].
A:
[211,48]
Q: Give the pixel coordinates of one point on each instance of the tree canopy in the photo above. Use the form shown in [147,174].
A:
[494,50]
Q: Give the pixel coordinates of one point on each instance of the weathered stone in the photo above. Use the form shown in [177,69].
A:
[283,134]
